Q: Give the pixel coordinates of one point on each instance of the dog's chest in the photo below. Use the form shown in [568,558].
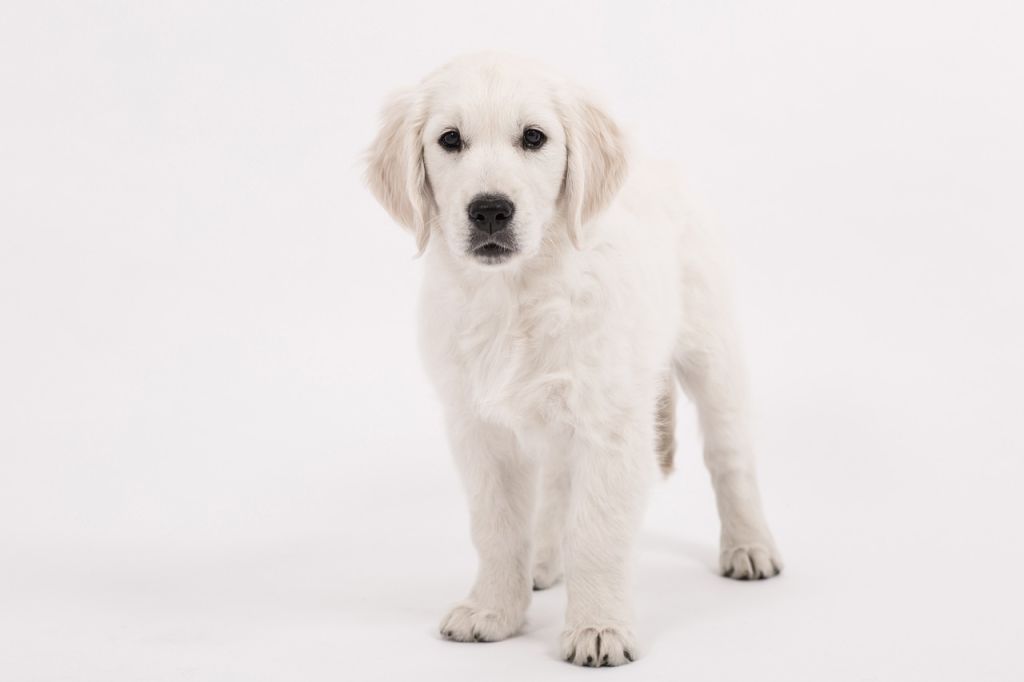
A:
[517,356]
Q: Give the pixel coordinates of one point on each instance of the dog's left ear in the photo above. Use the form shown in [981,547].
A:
[596,162]
[395,170]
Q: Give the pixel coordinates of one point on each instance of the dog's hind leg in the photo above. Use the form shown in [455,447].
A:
[710,368]
[549,525]
[665,424]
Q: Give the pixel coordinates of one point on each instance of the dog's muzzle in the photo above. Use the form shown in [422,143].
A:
[491,238]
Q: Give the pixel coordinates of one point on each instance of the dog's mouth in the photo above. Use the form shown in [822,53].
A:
[492,250]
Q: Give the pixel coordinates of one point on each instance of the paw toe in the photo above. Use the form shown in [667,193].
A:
[468,623]
[750,562]
[546,574]
[597,646]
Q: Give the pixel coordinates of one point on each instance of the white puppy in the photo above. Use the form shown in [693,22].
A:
[560,299]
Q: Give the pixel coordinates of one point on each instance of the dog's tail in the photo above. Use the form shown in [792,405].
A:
[665,419]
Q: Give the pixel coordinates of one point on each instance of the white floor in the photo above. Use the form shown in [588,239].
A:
[898,569]
[220,460]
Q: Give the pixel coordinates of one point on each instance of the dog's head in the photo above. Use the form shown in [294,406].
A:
[495,156]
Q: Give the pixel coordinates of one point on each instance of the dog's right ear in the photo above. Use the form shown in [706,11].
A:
[395,170]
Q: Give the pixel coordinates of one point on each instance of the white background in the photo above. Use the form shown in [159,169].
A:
[219,458]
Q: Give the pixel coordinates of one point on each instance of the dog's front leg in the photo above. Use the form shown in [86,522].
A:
[501,485]
[611,473]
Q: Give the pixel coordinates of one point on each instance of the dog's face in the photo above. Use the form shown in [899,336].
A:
[494,151]
[495,156]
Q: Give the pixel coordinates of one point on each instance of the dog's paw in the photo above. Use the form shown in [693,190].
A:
[598,646]
[546,573]
[750,562]
[470,623]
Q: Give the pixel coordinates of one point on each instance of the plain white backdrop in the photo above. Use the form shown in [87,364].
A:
[220,460]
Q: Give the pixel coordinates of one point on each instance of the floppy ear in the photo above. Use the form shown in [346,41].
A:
[596,162]
[395,170]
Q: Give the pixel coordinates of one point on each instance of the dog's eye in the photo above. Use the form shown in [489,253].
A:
[533,139]
[451,141]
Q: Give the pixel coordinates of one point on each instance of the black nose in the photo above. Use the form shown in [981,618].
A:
[491,212]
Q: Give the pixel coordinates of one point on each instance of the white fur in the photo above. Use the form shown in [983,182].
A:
[550,365]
